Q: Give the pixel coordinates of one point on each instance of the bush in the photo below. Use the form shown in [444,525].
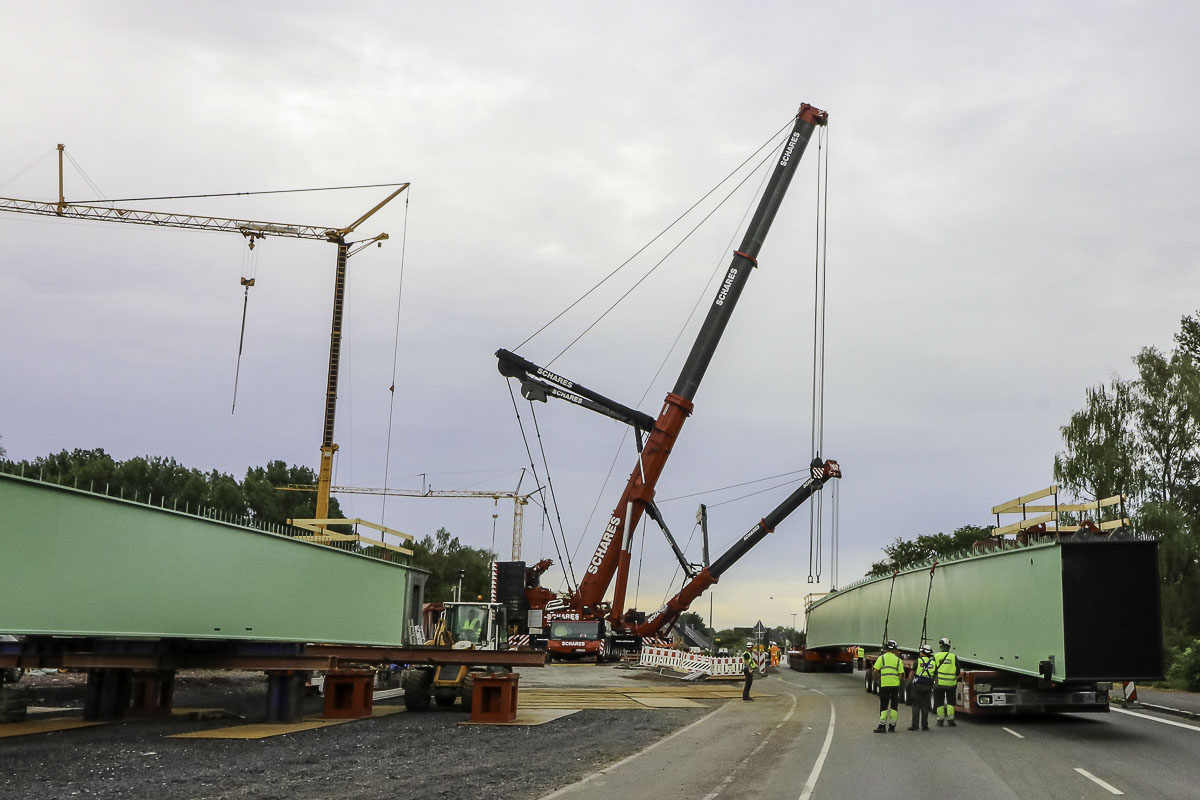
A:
[1184,672]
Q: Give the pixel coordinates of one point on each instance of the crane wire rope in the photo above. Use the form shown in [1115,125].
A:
[662,233]
[700,296]
[816,508]
[538,482]
[928,594]
[887,619]
[553,495]
[234,194]
[637,587]
[249,273]
[660,262]
[671,583]
[735,486]
[387,454]
[27,168]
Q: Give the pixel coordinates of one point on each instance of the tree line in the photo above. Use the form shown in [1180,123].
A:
[1140,437]
[256,497]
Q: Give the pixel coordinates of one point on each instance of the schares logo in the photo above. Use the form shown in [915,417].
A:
[725,286]
[559,379]
[605,541]
[787,154]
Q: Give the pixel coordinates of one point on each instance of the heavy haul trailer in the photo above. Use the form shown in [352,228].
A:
[1041,626]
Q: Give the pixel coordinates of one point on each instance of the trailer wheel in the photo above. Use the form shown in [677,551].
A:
[444,699]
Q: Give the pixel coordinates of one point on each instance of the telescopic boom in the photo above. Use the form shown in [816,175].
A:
[612,555]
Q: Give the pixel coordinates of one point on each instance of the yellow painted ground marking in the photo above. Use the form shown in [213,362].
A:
[32,726]
[263,730]
[538,716]
[661,701]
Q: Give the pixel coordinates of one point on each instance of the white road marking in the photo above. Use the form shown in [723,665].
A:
[627,759]
[1014,733]
[728,781]
[811,783]
[1155,719]
[1097,781]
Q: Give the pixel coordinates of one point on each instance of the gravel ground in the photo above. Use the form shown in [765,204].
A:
[418,755]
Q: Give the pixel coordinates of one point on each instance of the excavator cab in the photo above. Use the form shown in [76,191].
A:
[463,626]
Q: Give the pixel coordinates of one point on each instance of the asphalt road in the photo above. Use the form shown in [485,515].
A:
[813,738]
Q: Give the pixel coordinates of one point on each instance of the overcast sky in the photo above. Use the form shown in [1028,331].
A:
[1011,216]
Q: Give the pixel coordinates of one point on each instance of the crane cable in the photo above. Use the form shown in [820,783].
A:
[928,592]
[657,236]
[249,273]
[816,507]
[568,570]
[562,531]
[888,618]
[718,268]
[387,454]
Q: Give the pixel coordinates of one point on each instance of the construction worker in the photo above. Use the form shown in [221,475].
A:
[945,679]
[922,688]
[862,656]
[749,663]
[890,667]
[774,655]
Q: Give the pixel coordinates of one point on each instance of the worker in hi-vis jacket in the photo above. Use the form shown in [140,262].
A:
[890,667]
[945,680]
[922,688]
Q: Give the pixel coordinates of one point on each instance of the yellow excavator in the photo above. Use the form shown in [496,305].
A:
[462,626]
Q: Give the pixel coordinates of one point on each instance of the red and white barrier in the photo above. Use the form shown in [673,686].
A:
[683,661]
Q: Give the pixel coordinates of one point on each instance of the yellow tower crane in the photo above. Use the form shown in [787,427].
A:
[251,229]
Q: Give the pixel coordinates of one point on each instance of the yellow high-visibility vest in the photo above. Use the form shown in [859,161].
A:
[890,669]
[947,669]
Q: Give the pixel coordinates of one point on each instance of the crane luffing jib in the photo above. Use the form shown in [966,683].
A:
[820,473]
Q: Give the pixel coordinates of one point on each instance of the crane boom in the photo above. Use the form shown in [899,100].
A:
[609,560]
[246,227]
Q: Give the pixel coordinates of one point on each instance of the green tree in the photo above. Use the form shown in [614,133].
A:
[1099,457]
[445,556]
[694,621]
[1166,406]
[904,553]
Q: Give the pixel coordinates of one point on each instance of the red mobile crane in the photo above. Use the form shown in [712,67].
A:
[612,556]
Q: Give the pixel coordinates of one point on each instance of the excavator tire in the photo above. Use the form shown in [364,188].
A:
[416,684]
[466,692]
[444,699]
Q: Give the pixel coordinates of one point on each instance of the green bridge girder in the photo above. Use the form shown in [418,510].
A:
[75,563]
[1091,607]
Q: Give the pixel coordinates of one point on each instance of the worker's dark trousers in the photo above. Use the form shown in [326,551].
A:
[749,673]
[860,664]
[889,696]
[921,696]
[943,701]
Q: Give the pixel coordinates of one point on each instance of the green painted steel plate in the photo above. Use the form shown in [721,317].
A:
[73,563]
[1089,607]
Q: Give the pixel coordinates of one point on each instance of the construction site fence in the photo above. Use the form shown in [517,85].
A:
[687,662]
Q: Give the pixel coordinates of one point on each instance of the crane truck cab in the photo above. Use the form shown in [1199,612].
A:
[575,637]
[462,626]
